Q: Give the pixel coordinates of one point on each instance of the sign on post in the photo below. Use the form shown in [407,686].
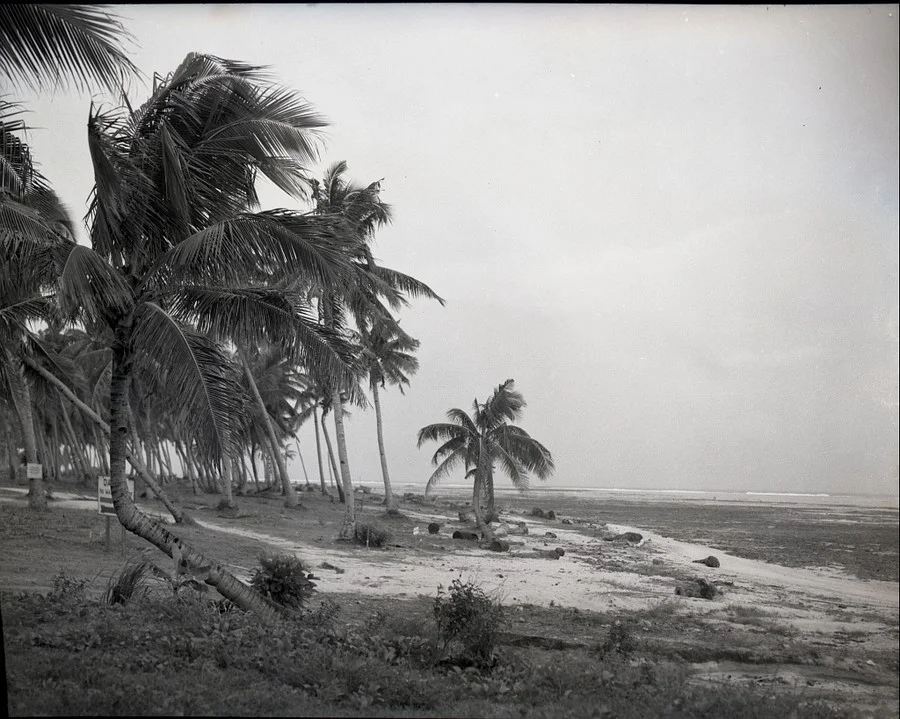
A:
[104,495]
[33,471]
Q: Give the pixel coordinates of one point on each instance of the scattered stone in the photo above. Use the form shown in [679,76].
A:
[538,512]
[697,588]
[502,530]
[328,565]
[523,527]
[467,516]
[710,561]
[434,528]
[550,535]
[560,551]
[567,521]
[656,561]
[499,546]
[470,536]
[550,515]
[630,537]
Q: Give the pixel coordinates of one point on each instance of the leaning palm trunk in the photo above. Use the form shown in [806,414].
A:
[319,451]
[227,478]
[333,464]
[21,399]
[348,527]
[79,464]
[389,500]
[290,496]
[136,521]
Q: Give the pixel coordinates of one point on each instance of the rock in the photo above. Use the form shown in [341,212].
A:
[710,561]
[697,588]
[499,546]
[328,565]
[469,536]
[656,561]
[502,530]
[434,528]
[567,521]
[538,512]
[560,551]
[550,535]
[523,527]
[467,516]
[630,537]
[550,515]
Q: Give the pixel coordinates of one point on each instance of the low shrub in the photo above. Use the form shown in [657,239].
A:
[68,588]
[283,579]
[465,614]
[131,581]
[371,535]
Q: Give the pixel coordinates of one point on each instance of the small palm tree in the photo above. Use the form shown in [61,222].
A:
[484,440]
[387,358]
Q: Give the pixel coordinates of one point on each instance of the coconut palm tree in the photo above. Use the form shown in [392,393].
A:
[362,212]
[180,261]
[386,355]
[47,46]
[482,442]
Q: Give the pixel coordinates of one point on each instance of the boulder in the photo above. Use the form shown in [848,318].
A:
[550,515]
[560,552]
[630,537]
[523,527]
[462,534]
[710,561]
[538,512]
[434,528]
[567,521]
[499,546]
[697,588]
[550,535]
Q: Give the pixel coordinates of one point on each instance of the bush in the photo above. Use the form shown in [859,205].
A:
[68,588]
[465,614]
[122,586]
[283,579]
[371,535]
[619,641]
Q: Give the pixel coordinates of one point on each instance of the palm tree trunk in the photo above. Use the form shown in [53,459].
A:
[136,521]
[487,533]
[319,450]
[302,463]
[290,496]
[21,400]
[227,477]
[75,452]
[177,512]
[333,465]
[348,526]
[389,500]
[10,450]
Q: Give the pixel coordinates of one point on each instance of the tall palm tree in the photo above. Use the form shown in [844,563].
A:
[179,261]
[46,46]
[387,357]
[361,212]
[482,442]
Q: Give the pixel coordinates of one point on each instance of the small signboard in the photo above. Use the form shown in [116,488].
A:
[33,471]
[104,495]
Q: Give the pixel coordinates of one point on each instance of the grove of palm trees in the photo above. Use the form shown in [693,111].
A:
[181,336]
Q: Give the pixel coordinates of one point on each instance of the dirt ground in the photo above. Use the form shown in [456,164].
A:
[814,620]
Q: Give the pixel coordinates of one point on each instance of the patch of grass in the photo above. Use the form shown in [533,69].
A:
[131,581]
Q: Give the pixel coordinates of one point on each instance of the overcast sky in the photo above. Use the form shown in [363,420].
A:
[675,227]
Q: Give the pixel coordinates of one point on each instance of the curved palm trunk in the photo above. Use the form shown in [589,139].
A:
[389,499]
[136,521]
[75,448]
[21,399]
[333,465]
[177,512]
[348,527]
[227,478]
[319,451]
[290,496]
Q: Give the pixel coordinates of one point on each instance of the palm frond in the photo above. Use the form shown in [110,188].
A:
[439,433]
[45,46]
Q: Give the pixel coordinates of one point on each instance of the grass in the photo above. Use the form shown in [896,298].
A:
[161,654]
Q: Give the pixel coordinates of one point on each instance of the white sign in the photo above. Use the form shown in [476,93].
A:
[33,471]
[104,495]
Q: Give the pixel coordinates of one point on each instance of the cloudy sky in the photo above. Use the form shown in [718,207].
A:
[675,227]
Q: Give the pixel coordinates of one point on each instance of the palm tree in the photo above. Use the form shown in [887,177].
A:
[46,46]
[387,357]
[180,262]
[362,212]
[484,440]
